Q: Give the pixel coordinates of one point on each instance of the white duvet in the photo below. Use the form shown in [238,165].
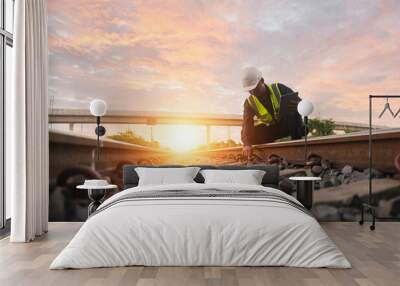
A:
[193,231]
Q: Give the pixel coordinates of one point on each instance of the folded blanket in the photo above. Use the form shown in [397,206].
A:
[205,193]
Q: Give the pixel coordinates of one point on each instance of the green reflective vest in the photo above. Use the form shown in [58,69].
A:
[262,114]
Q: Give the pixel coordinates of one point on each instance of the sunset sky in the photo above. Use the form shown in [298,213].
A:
[187,56]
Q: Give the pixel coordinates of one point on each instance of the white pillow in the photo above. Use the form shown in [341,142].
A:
[165,176]
[248,177]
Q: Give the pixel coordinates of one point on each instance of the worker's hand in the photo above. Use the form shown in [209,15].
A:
[247,151]
[292,104]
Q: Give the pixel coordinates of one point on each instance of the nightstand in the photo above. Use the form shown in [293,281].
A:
[305,188]
[96,195]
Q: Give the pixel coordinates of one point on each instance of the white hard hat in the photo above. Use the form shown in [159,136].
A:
[250,78]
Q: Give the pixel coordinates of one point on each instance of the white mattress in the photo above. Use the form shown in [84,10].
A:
[200,231]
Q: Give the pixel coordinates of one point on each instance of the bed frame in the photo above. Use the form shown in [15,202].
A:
[270,179]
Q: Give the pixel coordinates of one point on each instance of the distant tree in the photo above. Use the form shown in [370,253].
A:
[129,136]
[347,130]
[219,144]
[321,127]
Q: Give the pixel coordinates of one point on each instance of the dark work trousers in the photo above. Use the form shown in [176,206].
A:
[289,124]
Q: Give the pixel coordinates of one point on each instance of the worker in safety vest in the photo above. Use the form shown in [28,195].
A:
[267,114]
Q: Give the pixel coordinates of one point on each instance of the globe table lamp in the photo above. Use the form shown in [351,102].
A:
[305,108]
[98,108]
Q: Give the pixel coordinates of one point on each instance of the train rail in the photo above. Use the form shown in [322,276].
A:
[339,149]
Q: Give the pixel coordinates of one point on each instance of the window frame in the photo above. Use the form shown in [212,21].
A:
[6,39]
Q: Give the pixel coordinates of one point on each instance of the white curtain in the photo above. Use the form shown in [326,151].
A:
[28,123]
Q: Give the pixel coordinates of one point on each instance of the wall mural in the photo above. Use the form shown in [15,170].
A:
[191,82]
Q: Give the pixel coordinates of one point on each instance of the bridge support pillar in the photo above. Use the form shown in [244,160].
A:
[208,134]
[151,133]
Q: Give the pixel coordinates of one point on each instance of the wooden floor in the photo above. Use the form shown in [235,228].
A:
[375,257]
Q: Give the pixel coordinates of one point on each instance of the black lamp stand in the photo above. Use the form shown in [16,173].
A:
[305,138]
[100,131]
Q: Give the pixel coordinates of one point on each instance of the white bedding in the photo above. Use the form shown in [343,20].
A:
[200,231]
[249,177]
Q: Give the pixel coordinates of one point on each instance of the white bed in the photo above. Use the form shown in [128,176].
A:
[207,230]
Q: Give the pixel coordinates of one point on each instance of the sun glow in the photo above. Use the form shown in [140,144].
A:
[181,138]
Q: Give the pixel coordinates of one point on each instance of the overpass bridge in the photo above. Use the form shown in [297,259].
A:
[81,116]
[145,117]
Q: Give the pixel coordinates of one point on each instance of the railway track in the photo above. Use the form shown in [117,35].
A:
[72,159]
[339,149]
